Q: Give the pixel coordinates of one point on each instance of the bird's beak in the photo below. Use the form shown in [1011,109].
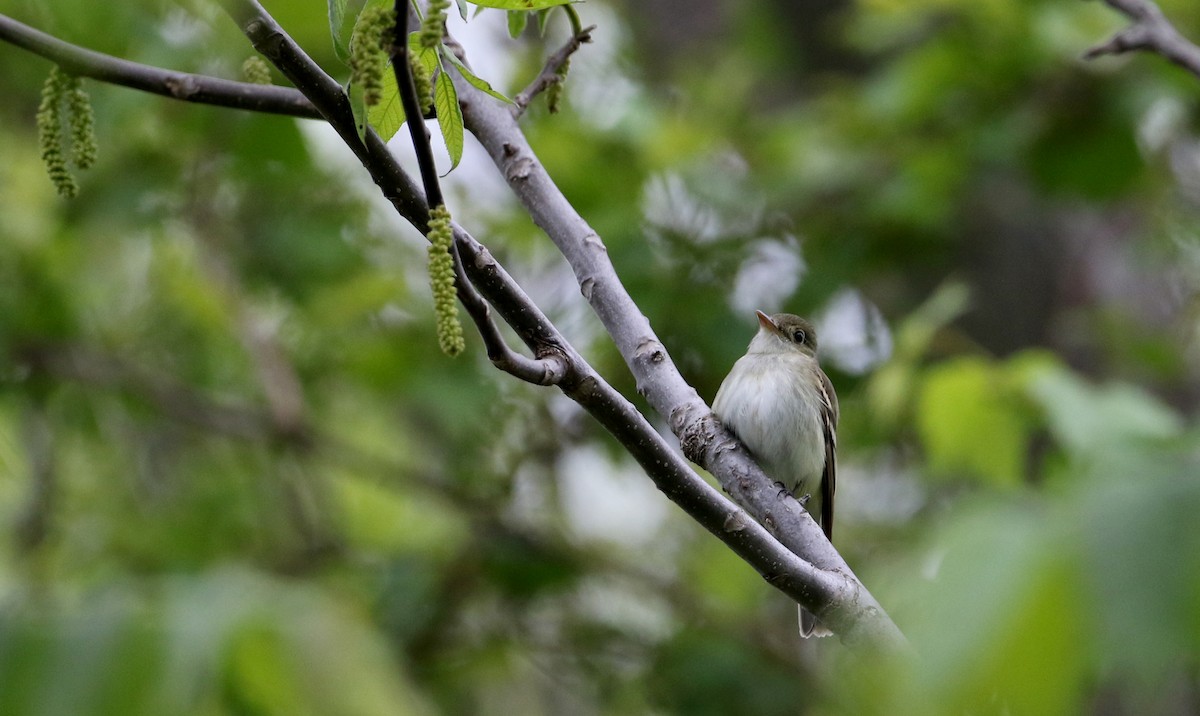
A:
[765,321]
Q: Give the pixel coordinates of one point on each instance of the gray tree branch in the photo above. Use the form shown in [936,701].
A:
[176,85]
[1150,31]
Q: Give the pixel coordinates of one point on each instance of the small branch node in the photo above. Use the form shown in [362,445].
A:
[552,73]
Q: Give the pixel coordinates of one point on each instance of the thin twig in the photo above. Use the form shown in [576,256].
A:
[176,85]
[549,75]
[394,183]
[549,370]
[1151,32]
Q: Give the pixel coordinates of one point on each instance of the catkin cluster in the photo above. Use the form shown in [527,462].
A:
[554,91]
[433,24]
[256,71]
[422,83]
[441,277]
[65,102]
[368,51]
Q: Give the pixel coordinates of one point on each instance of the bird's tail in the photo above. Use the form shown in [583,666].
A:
[809,626]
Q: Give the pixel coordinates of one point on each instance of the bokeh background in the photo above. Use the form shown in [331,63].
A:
[237,477]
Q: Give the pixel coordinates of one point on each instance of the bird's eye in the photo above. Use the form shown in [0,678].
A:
[799,336]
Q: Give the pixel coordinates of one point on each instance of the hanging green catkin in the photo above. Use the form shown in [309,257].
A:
[422,83]
[83,124]
[441,277]
[256,71]
[434,23]
[368,56]
[554,91]
[50,133]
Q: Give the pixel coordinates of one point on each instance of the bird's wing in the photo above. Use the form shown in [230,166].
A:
[829,421]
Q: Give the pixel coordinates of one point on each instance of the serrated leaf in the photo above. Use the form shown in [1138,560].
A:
[472,79]
[522,4]
[388,116]
[449,115]
[517,19]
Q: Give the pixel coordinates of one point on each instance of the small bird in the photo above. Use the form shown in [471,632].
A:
[783,408]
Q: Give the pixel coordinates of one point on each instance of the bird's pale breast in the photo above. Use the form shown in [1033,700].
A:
[771,402]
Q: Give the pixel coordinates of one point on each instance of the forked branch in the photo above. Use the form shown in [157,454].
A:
[1150,31]
[551,73]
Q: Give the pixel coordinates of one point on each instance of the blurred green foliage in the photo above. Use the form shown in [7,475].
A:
[236,475]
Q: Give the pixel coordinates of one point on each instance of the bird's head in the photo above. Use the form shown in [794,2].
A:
[784,333]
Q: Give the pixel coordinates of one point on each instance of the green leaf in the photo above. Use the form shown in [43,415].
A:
[382,520]
[449,115]
[522,4]
[471,78]
[891,390]
[970,419]
[1003,575]
[462,9]
[542,17]
[517,19]
[342,16]
[337,14]
[427,56]
[1088,419]
[388,116]
[358,107]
